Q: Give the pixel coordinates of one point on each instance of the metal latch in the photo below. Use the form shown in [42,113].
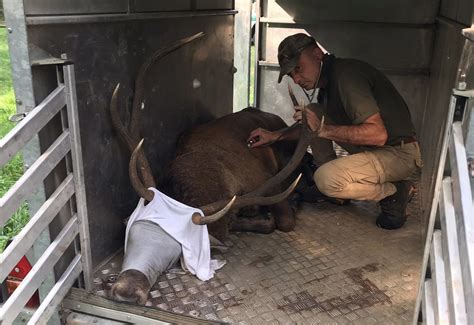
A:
[470,166]
[15,118]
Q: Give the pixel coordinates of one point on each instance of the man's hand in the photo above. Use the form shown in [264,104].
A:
[260,137]
[314,122]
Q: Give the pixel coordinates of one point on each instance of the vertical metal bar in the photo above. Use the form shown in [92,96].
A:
[434,205]
[428,301]
[257,52]
[464,212]
[25,101]
[455,289]
[242,29]
[438,278]
[76,152]
[69,169]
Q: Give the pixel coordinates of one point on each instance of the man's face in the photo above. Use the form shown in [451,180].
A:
[306,73]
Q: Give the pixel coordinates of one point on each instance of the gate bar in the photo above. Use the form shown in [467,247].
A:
[455,290]
[33,122]
[57,293]
[77,165]
[39,272]
[41,168]
[27,236]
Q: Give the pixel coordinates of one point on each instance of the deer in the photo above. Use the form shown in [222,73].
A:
[215,170]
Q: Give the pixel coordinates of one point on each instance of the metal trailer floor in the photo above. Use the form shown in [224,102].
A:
[336,267]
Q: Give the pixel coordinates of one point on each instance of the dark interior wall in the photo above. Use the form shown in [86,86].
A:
[460,11]
[453,17]
[396,37]
[105,54]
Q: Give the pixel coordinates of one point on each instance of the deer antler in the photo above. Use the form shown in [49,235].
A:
[303,142]
[131,135]
[141,189]
[140,81]
[145,169]
[240,202]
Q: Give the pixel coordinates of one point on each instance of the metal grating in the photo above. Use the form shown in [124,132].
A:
[335,267]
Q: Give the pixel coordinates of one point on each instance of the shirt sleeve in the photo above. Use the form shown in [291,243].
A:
[357,96]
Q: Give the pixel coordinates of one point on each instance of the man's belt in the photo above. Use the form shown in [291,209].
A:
[404,140]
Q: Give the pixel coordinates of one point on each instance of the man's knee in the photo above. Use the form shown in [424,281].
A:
[329,179]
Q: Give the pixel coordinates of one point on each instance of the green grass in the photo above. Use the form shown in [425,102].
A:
[11,172]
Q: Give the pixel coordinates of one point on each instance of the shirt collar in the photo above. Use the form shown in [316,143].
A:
[328,60]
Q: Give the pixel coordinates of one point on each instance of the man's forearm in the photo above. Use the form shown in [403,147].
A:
[290,133]
[363,134]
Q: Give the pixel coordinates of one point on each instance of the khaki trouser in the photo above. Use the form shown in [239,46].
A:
[368,173]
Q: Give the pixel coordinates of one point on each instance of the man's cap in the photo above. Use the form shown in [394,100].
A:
[289,52]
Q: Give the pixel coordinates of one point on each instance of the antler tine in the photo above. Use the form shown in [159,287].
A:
[204,220]
[292,96]
[145,169]
[132,135]
[240,202]
[303,142]
[140,81]
[143,191]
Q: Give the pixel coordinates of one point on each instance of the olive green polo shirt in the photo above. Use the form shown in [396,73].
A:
[355,90]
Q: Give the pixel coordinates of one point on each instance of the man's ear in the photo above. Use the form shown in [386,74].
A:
[318,53]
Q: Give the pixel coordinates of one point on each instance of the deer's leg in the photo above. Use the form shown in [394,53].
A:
[284,216]
[259,223]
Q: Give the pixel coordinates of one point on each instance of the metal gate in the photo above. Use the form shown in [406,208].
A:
[71,191]
[446,293]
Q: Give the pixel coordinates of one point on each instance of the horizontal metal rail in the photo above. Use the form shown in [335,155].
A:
[12,200]
[34,121]
[38,273]
[389,71]
[57,293]
[111,314]
[108,18]
[25,239]
[291,21]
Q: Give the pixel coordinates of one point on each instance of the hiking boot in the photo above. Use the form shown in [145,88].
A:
[394,207]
